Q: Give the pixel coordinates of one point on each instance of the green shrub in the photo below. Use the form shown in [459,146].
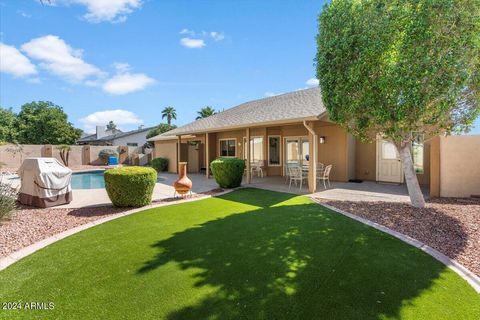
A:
[8,199]
[228,172]
[106,153]
[130,186]
[160,164]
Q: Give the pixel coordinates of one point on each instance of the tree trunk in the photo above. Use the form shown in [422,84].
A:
[414,191]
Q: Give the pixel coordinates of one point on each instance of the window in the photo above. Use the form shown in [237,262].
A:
[417,152]
[132,144]
[227,147]
[389,151]
[274,150]
[256,149]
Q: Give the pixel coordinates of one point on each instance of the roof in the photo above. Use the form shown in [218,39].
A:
[114,136]
[294,106]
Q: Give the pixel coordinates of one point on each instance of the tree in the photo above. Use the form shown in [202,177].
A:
[400,67]
[205,112]
[161,128]
[111,125]
[169,113]
[45,123]
[8,125]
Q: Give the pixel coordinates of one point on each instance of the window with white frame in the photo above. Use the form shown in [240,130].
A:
[417,152]
[228,147]
[274,143]
[256,149]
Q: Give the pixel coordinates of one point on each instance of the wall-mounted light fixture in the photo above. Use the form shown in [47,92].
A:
[322,139]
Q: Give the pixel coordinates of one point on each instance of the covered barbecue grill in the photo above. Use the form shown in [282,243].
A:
[45,182]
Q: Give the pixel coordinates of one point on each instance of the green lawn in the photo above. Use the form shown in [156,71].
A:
[250,254]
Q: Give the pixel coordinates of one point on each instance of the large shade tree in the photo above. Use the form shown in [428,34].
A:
[205,112]
[43,122]
[400,68]
[169,113]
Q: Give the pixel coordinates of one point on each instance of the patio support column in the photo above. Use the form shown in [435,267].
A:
[207,155]
[312,163]
[179,151]
[249,178]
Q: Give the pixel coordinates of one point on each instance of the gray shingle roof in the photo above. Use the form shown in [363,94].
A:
[297,105]
[118,134]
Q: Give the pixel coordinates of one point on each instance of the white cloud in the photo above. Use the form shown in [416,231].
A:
[101,118]
[126,82]
[14,62]
[58,57]
[23,14]
[192,43]
[114,11]
[312,82]
[217,36]
[272,94]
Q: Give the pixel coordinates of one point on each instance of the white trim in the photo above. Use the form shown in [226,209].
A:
[459,269]
[226,139]
[268,150]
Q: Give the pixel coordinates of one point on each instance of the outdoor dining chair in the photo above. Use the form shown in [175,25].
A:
[325,176]
[296,174]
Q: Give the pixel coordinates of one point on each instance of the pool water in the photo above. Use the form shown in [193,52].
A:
[88,180]
[92,180]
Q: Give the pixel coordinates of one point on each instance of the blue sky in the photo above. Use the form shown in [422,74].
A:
[125,60]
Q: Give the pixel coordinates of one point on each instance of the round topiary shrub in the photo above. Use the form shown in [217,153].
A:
[160,164]
[228,172]
[105,153]
[130,186]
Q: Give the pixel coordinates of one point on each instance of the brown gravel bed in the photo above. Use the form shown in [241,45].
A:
[450,225]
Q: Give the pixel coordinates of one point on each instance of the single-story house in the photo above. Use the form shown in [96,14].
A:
[115,137]
[294,128]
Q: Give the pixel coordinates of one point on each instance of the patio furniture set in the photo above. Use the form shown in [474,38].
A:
[299,174]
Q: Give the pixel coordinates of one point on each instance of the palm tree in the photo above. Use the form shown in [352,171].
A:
[206,112]
[169,113]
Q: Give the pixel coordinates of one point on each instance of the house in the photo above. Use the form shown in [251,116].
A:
[294,128]
[115,137]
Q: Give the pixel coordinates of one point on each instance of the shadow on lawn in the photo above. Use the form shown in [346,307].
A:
[295,261]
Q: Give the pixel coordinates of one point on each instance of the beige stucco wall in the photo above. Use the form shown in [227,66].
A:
[167,149]
[335,149]
[459,166]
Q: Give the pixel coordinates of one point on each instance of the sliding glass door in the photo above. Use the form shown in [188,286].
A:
[296,152]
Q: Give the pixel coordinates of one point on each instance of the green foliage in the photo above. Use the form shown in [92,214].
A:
[228,172]
[45,123]
[8,199]
[106,153]
[160,164]
[169,113]
[111,125]
[161,128]
[205,112]
[8,125]
[398,67]
[130,186]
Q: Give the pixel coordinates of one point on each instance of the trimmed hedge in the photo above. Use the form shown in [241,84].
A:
[105,153]
[130,186]
[160,164]
[228,172]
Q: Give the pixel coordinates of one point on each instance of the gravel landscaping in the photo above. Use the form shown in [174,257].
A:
[451,226]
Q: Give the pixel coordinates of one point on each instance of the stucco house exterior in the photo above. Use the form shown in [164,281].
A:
[115,137]
[294,128]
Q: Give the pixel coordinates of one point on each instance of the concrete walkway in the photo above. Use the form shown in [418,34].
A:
[365,191]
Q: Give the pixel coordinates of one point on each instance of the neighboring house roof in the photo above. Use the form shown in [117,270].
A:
[114,136]
[298,105]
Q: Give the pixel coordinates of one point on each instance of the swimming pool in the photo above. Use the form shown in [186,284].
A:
[88,180]
[92,180]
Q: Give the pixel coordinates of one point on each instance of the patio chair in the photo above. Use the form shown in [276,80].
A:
[320,169]
[326,176]
[296,174]
[257,167]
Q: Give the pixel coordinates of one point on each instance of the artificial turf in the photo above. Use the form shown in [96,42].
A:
[249,254]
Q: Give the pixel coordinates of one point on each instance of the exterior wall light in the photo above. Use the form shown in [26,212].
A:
[322,139]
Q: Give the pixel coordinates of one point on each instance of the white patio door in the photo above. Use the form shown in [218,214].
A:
[389,164]
[296,152]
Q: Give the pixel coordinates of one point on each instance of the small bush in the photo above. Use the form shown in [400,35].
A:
[160,164]
[130,186]
[228,172]
[106,153]
[8,199]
